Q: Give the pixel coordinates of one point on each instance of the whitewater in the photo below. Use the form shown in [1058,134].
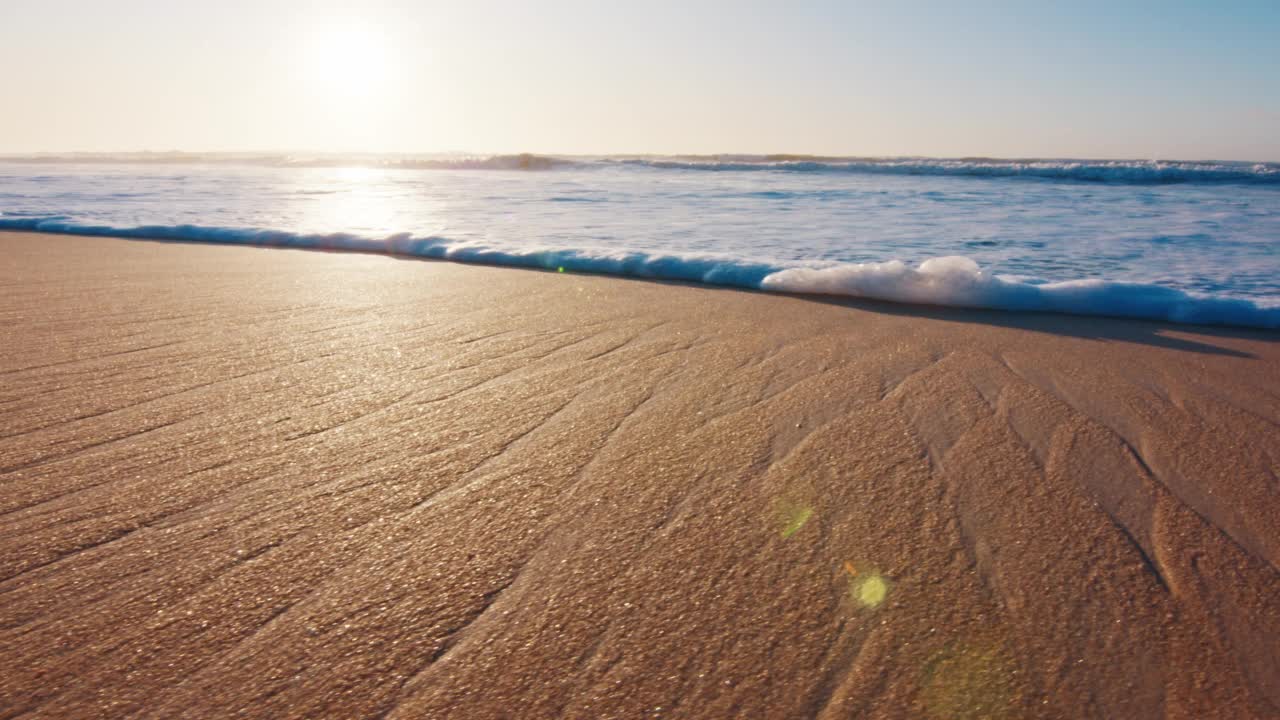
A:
[1188,242]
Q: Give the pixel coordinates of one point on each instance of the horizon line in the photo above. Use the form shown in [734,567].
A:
[178,154]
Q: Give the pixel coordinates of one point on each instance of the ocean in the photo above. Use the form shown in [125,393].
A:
[1188,242]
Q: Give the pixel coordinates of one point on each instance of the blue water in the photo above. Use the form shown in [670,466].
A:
[1187,242]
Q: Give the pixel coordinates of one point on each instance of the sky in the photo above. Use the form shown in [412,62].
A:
[1149,80]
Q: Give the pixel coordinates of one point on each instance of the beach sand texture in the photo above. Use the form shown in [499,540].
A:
[296,484]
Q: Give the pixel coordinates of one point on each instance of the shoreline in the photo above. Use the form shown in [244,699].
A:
[311,483]
[943,282]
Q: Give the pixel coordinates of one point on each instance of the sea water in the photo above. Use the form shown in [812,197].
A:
[1191,242]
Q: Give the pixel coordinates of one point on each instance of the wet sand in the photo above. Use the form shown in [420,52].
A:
[296,484]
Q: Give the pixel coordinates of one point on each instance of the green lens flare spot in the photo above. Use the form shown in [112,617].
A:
[794,518]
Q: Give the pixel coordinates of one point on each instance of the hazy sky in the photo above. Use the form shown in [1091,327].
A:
[1165,79]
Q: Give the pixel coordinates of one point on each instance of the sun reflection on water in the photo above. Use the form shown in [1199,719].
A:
[368,201]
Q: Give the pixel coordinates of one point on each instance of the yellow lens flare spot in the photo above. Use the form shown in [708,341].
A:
[871,590]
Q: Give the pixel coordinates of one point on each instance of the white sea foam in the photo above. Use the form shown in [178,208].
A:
[959,281]
[946,281]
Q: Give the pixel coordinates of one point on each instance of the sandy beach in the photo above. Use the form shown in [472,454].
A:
[273,483]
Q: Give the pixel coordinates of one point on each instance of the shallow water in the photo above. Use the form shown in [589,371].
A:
[1186,242]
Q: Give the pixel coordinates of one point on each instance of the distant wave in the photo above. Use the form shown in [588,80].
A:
[948,281]
[1104,171]
[518,161]
[1129,172]
[522,161]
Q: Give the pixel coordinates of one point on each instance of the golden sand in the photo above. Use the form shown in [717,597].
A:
[297,484]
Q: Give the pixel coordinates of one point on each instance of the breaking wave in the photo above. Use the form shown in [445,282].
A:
[947,281]
[959,281]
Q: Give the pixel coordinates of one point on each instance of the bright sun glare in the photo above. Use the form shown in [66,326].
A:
[346,62]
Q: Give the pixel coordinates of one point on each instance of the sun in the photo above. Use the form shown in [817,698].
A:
[351,82]
[346,61]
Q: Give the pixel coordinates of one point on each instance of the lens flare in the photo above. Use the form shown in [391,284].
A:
[872,590]
[792,516]
[970,680]
[868,589]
